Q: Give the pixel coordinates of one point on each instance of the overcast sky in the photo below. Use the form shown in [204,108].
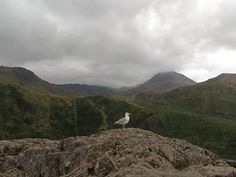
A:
[118,43]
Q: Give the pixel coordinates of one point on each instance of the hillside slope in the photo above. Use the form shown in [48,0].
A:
[24,114]
[24,78]
[216,97]
[204,114]
[126,153]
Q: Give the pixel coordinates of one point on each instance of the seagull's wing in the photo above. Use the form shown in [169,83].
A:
[121,121]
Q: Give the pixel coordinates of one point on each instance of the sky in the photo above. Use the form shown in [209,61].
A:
[118,43]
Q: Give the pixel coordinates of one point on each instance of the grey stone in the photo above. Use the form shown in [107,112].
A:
[115,153]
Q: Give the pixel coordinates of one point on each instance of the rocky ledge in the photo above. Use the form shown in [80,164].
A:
[114,153]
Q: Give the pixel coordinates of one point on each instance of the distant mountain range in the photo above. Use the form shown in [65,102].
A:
[169,104]
[161,82]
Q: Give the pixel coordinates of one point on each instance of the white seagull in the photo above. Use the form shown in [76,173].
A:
[123,120]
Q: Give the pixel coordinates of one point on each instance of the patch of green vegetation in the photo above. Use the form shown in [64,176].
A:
[204,114]
[208,99]
[28,114]
[213,133]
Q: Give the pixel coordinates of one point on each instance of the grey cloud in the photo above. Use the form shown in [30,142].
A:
[224,32]
[24,34]
[111,42]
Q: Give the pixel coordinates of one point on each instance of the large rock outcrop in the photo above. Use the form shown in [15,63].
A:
[114,153]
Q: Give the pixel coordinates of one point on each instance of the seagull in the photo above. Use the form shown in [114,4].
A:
[123,120]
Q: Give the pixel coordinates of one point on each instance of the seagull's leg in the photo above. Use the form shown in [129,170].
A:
[123,126]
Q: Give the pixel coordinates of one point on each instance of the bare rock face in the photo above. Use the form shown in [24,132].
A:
[114,153]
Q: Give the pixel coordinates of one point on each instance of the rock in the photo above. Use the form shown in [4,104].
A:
[67,164]
[231,163]
[114,153]
[104,166]
[212,171]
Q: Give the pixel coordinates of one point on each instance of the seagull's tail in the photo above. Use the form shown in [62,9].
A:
[117,122]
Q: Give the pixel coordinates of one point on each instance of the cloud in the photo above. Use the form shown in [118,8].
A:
[117,43]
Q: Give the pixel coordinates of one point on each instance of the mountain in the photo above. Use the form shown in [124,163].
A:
[120,152]
[22,77]
[225,79]
[162,82]
[204,114]
[216,96]
[166,81]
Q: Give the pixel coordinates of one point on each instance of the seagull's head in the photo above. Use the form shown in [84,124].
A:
[127,114]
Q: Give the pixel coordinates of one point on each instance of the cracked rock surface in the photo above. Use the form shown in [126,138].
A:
[115,153]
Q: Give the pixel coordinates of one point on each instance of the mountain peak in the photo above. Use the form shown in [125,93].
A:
[162,82]
[168,72]
[166,81]
[24,78]
[7,68]
[20,73]
[172,76]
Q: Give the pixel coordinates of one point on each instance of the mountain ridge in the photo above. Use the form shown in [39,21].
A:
[28,79]
[228,79]
[165,81]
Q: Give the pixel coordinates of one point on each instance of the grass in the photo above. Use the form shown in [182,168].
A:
[27,114]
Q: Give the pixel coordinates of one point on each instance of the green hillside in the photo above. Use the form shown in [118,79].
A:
[24,78]
[35,115]
[204,114]
[215,97]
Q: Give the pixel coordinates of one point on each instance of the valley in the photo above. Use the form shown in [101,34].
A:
[201,113]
